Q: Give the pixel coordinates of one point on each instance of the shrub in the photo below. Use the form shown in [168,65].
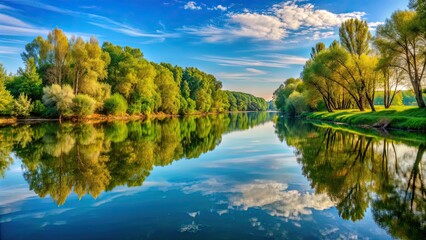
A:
[39,109]
[83,105]
[116,104]
[60,98]
[22,106]
[295,104]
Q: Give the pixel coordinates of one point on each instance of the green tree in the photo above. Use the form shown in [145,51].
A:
[403,47]
[27,81]
[131,75]
[83,105]
[22,106]
[168,89]
[116,104]
[6,99]
[60,49]
[88,65]
[355,38]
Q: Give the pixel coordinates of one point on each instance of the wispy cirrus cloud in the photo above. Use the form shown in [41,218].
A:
[275,24]
[255,71]
[269,60]
[98,20]
[4,7]
[107,23]
[12,26]
[9,50]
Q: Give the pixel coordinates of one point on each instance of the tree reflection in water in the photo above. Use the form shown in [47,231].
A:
[360,170]
[89,159]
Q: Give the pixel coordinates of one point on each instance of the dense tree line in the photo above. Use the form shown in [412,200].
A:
[351,72]
[75,77]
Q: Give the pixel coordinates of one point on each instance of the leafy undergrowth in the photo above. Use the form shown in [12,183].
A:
[411,118]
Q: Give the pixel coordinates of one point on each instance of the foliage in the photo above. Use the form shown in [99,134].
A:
[59,98]
[27,81]
[402,45]
[22,106]
[83,105]
[39,109]
[238,101]
[115,105]
[293,98]
[295,104]
[6,99]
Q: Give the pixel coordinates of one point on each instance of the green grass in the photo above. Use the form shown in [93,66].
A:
[407,137]
[410,118]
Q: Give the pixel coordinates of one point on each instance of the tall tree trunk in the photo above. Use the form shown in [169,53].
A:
[419,94]
[370,102]
[360,103]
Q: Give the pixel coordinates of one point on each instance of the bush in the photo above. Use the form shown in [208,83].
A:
[38,108]
[116,104]
[22,106]
[134,108]
[295,104]
[83,105]
[59,97]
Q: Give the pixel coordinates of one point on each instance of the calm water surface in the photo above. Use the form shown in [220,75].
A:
[236,176]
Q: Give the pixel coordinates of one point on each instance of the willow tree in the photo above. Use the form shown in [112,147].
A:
[355,38]
[404,47]
[318,76]
[334,74]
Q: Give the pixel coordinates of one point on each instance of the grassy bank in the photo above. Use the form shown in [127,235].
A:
[410,118]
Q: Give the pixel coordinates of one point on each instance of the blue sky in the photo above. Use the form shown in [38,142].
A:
[251,46]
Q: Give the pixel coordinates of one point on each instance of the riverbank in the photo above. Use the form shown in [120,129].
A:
[404,118]
[93,118]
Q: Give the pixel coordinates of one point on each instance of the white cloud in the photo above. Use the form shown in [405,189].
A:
[321,35]
[191,5]
[277,23]
[271,196]
[372,26]
[295,16]
[258,26]
[219,7]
